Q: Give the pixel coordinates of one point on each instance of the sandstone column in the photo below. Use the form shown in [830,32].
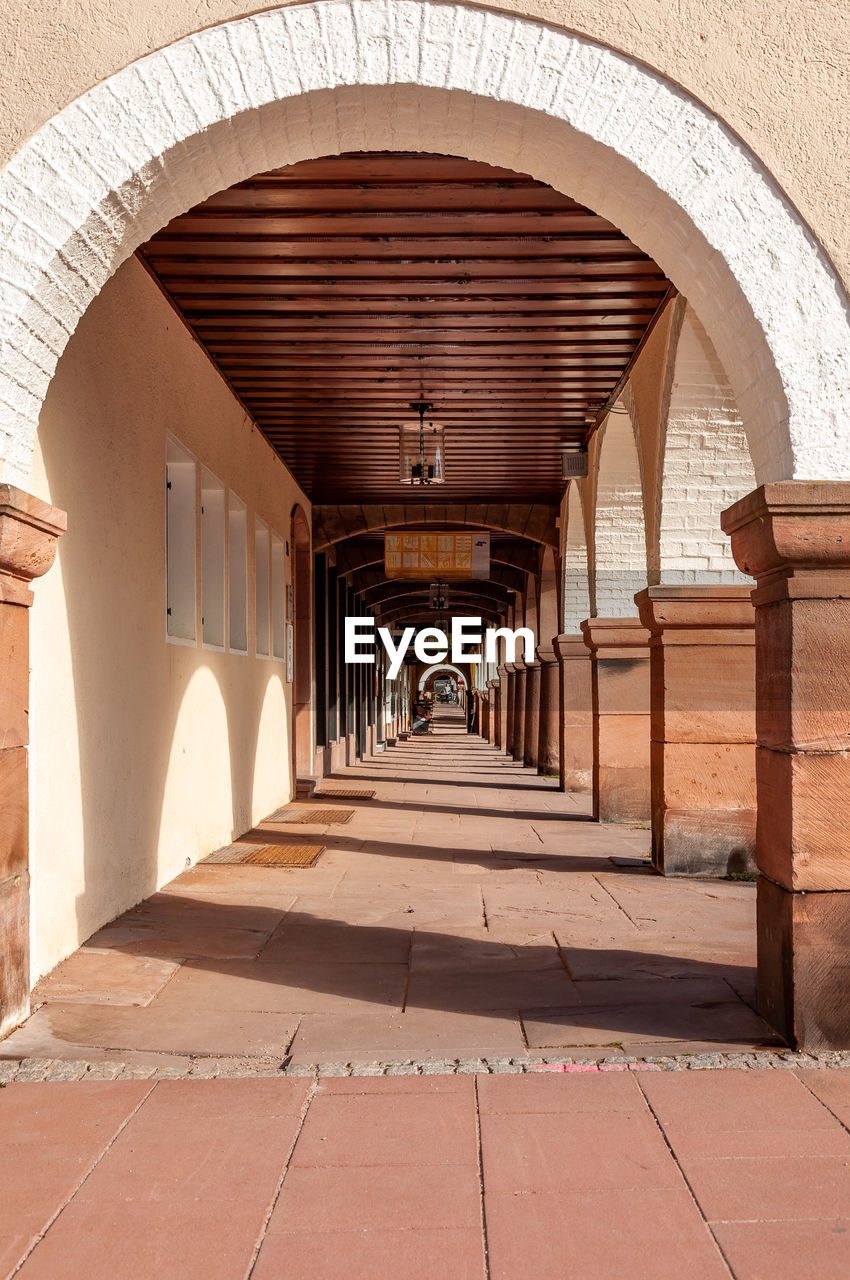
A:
[575,736]
[619,653]
[28,532]
[532,714]
[518,739]
[548,738]
[702,716]
[493,698]
[483,714]
[793,537]
[503,702]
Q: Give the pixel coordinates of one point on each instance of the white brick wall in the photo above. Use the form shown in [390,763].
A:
[707,465]
[619,534]
[576,587]
[164,133]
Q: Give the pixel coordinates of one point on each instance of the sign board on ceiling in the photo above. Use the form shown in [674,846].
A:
[424,553]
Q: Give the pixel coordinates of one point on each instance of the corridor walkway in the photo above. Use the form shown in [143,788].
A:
[468,909]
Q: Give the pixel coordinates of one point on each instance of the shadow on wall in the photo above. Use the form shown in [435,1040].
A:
[147,745]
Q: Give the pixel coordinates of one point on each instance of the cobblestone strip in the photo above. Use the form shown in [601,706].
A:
[48,1069]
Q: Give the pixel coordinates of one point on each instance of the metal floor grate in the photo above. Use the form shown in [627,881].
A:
[310,815]
[285,855]
[343,794]
[265,855]
[229,855]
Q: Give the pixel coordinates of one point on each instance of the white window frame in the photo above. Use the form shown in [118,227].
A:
[262,588]
[181,561]
[278,598]
[213,562]
[237,574]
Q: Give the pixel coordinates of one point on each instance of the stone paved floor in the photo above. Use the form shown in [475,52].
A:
[468,910]
[598,1176]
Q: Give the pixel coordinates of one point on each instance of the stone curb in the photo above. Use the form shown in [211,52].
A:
[29,1070]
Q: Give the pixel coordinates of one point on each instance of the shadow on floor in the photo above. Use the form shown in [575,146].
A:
[300,963]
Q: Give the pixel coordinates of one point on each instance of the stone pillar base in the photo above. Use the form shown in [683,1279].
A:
[804,965]
[619,650]
[14,951]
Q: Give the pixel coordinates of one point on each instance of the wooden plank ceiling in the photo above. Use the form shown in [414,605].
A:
[333,292]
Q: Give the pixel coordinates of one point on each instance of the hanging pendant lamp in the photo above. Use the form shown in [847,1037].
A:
[421,448]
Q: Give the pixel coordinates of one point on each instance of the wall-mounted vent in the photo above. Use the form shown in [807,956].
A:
[573,463]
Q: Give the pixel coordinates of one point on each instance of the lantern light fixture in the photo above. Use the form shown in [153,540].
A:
[421,448]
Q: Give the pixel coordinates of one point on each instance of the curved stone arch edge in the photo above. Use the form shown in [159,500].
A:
[442,666]
[81,195]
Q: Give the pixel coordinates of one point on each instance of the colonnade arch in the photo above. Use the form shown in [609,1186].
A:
[436,669]
[704,463]
[169,130]
[618,550]
[253,94]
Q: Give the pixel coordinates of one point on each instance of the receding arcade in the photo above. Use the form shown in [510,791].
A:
[592,292]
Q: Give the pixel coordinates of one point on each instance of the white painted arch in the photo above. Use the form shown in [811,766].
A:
[288,84]
[443,666]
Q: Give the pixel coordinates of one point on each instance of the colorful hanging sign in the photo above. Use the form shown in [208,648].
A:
[423,553]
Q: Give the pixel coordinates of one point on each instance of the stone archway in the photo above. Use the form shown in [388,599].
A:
[216,107]
[169,130]
[441,666]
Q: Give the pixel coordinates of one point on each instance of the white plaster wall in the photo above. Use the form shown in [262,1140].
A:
[706,465]
[145,755]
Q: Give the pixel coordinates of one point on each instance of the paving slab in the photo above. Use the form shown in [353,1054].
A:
[413,1253]
[645,1234]
[102,976]
[725,1022]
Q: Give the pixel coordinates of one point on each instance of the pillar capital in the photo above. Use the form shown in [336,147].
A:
[608,637]
[695,613]
[571,646]
[546,654]
[506,669]
[29,529]
[790,525]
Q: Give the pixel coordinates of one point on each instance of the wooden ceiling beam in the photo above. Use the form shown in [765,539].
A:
[331,292]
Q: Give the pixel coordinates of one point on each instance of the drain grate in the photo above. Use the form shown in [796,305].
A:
[265,855]
[285,855]
[344,795]
[310,815]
